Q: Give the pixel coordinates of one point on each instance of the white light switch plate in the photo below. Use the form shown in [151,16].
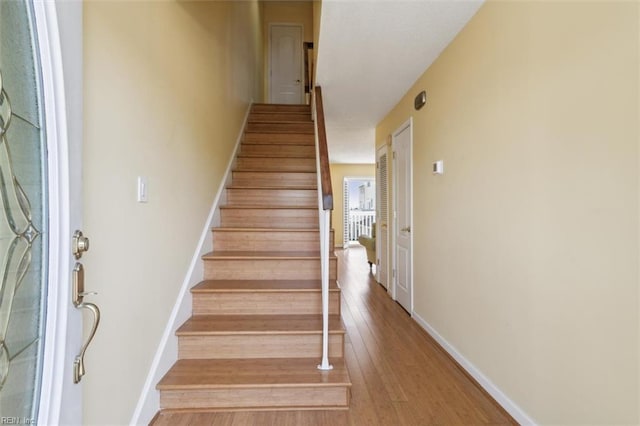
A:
[143,196]
[438,167]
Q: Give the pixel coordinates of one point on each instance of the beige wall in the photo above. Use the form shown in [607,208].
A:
[338,173]
[526,249]
[285,12]
[166,88]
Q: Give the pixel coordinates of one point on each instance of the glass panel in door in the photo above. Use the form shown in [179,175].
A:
[23,220]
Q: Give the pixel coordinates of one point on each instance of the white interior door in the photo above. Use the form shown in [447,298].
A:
[403,288]
[285,58]
[382,217]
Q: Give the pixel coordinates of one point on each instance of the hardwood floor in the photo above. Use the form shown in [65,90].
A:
[400,375]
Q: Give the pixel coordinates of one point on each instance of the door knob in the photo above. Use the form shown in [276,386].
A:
[79,244]
[407,229]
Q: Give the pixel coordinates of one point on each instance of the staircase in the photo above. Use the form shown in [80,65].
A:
[254,339]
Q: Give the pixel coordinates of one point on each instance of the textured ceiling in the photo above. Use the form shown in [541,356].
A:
[369,54]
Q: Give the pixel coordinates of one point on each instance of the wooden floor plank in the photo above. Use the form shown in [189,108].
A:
[426,386]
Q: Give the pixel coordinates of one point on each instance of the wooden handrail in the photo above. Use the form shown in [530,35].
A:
[325,172]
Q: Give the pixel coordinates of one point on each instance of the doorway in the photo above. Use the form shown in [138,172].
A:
[402,142]
[359,214]
[286,64]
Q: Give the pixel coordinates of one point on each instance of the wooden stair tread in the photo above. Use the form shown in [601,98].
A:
[274,185]
[279,107]
[269,139]
[275,171]
[254,255]
[238,229]
[279,144]
[296,203]
[258,324]
[252,373]
[259,170]
[274,188]
[276,155]
[279,121]
[280,131]
[267,206]
[263,286]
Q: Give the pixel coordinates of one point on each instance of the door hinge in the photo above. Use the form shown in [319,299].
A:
[394,154]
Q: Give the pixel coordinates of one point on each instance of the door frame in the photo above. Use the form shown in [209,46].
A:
[60,401]
[269,64]
[394,209]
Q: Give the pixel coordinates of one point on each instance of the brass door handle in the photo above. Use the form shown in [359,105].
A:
[78,364]
[78,302]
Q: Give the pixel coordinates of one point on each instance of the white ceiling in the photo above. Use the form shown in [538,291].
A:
[369,54]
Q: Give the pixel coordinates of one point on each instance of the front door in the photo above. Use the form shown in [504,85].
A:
[403,289]
[285,58]
[40,330]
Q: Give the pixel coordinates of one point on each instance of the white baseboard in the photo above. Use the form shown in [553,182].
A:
[167,352]
[516,412]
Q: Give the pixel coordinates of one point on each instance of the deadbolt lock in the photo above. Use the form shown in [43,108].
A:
[79,244]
